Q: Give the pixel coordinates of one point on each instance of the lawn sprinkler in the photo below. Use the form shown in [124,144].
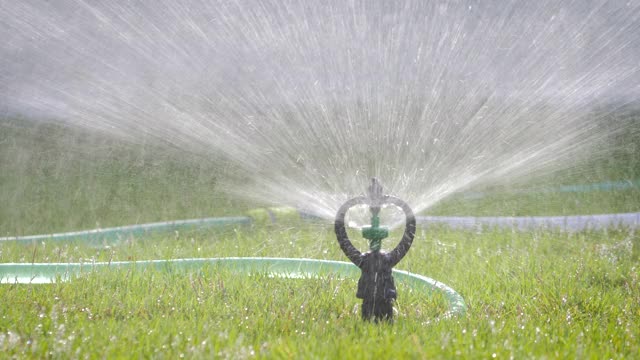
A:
[376,287]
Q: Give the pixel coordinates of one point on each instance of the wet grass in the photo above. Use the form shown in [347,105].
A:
[533,294]
[56,179]
[536,294]
[541,203]
[204,315]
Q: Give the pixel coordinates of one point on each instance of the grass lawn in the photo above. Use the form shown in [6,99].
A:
[535,294]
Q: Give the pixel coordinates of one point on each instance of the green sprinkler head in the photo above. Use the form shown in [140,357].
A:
[375,233]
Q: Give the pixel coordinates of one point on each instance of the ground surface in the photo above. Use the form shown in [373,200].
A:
[55,179]
[529,295]
[537,294]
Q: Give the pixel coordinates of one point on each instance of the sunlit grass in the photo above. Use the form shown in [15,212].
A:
[56,179]
[529,294]
[542,203]
[534,294]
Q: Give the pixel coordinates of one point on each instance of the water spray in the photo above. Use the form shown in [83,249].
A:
[376,287]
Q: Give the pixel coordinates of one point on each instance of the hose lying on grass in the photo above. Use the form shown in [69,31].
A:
[274,215]
[32,273]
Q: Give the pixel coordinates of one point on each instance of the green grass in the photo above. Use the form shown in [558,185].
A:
[541,203]
[533,294]
[55,179]
[200,315]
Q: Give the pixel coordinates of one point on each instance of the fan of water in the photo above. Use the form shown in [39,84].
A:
[312,98]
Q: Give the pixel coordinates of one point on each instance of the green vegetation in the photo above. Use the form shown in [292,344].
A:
[55,179]
[539,195]
[536,294]
[531,294]
[543,203]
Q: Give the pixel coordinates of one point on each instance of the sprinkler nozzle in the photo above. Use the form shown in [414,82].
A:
[376,199]
[375,233]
